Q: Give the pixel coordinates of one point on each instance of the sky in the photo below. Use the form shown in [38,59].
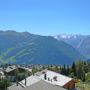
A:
[45,17]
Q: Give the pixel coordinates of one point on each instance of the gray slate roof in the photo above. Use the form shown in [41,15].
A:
[42,85]
[15,87]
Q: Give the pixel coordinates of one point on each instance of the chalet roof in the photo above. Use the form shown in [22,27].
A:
[10,68]
[27,69]
[61,79]
[42,85]
[15,87]
[41,72]
[30,80]
[35,85]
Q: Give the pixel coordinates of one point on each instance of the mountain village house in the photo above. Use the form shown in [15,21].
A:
[10,71]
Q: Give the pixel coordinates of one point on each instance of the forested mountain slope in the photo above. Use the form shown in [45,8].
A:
[26,48]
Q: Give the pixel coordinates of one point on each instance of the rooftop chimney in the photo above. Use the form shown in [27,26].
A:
[25,81]
[17,82]
[45,76]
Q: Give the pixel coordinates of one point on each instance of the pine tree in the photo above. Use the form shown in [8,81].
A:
[56,68]
[85,67]
[68,70]
[88,66]
[63,70]
[80,70]
[73,68]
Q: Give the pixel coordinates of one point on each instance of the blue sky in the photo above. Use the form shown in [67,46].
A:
[45,17]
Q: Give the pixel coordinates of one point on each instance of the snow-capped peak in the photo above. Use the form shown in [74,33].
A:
[66,36]
[63,36]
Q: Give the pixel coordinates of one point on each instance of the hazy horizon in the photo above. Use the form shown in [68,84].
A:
[47,34]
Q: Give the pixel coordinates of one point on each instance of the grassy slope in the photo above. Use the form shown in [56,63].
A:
[82,86]
[41,50]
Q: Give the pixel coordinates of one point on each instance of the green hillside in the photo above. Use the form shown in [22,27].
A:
[25,48]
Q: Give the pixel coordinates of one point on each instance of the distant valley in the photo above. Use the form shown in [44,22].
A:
[79,42]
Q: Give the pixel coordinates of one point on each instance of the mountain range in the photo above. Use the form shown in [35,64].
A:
[79,42]
[26,48]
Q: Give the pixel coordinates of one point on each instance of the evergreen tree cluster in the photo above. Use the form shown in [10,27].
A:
[4,83]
